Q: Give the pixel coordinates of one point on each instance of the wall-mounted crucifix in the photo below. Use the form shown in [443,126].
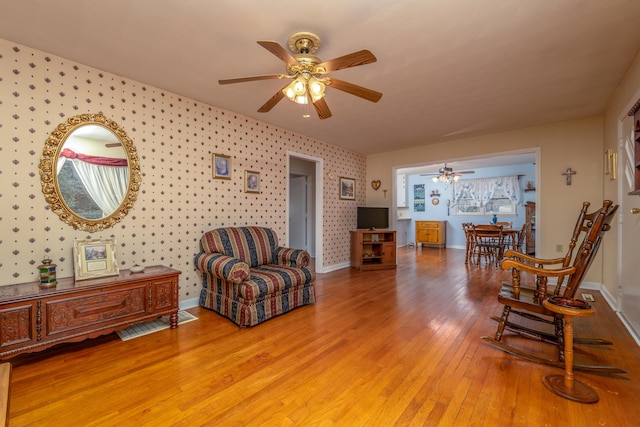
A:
[569,172]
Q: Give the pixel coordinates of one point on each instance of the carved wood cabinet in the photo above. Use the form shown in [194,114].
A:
[33,318]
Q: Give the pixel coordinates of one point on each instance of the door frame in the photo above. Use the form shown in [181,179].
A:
[620,219]
[319,204]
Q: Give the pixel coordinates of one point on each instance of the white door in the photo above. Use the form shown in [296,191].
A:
[298,214]
[630,230]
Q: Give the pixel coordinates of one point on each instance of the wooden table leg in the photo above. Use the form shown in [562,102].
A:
[173,320]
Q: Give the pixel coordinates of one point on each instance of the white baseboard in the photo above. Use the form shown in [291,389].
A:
[335,267]
[188,303]
[592,286]
[629,327]
[613,303]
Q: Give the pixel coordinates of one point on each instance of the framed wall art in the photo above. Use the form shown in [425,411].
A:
[221,166]
[251,182]
[94,258]
[347,188]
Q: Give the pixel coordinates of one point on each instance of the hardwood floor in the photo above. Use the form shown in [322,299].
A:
[398,347]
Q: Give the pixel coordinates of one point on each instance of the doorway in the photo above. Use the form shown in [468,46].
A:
[304,206]
[524,163]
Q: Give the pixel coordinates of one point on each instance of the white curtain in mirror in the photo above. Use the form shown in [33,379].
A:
[107,185]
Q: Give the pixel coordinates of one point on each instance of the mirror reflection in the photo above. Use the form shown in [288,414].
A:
[90,172]
[93,172]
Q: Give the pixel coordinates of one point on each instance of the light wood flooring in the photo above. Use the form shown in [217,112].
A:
[384,348]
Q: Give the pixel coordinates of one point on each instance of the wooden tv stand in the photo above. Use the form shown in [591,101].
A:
[373,249]
[33,318]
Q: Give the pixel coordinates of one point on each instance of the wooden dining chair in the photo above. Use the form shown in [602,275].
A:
[505,224]
[508,238]
[488,243]
[526,301]
[521,238]
[467,227]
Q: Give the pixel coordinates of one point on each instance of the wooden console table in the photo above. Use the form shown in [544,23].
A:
[33,318]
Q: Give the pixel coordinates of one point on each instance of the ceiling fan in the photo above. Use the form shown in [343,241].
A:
[446,174]
[306,74]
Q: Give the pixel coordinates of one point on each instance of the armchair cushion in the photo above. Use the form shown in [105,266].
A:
[253,245]
[222,266]
[291,257]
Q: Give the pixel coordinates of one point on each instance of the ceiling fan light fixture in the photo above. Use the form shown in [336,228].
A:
[316,88]
[289,93]
[297,91]
[299,86]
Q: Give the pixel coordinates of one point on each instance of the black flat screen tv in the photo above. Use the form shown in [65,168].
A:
[373,218]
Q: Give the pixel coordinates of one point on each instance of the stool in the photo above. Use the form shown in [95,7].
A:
[565,385]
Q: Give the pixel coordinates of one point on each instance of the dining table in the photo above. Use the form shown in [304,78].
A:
[509,235]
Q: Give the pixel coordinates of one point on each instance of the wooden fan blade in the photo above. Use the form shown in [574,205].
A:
[322,109]
[250,79]
[461,172]
[362,92]
[279,51]
[354,59]
[272,101]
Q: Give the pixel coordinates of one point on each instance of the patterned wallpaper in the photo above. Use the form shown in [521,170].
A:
[175,138]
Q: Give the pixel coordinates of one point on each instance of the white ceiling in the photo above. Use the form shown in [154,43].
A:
[447,69]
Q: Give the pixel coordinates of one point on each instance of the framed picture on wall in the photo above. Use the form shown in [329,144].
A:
[347,188]
[221,166]
[251,182]
[94,258]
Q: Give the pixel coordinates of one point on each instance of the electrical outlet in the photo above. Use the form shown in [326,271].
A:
[559,248]
[588,297]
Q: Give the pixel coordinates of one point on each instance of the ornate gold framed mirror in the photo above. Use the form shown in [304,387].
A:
[90,172]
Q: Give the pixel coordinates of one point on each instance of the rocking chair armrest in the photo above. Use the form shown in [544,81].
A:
[538,271]
[510,253]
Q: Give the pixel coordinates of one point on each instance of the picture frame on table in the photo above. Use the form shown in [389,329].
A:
[221,166]
[251,182]
[94,258]
[347,188]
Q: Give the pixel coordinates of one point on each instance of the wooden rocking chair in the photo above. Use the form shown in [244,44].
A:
[526,301]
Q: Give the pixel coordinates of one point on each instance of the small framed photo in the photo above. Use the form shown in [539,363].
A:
[94,258]
[251,182]
[347,188]
[221,166]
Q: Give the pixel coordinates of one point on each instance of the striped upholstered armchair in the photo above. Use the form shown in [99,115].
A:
[248,278]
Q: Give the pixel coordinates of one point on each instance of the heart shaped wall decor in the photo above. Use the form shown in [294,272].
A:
[376,184]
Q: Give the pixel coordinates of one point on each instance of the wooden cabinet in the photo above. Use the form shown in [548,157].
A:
[431,233]
[34,318]
[373,250]
[530,236]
